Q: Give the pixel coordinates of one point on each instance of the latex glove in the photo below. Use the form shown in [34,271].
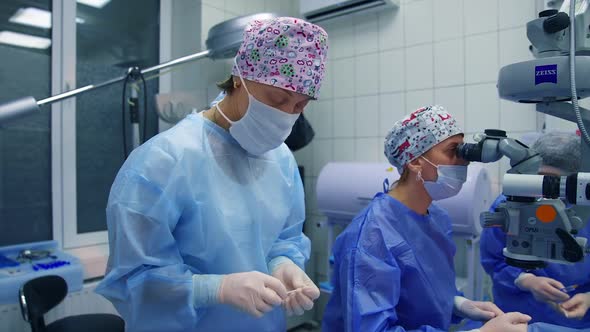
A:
[543,289]
[253,292]
[510,322]
[476,310]
[577,306]
[558,308]
[302,290]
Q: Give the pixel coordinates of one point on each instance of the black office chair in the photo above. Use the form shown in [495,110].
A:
[42,294]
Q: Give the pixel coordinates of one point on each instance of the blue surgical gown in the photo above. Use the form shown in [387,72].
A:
[510,298]
[393,271]
[192,201]
[545,327]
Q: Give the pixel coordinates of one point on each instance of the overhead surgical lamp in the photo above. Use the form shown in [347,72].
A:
[223,41]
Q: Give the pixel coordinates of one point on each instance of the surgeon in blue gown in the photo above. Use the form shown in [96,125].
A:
[205,219]
[537,292]
[393,267]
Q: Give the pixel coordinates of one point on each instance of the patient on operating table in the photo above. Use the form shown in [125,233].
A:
[558,294]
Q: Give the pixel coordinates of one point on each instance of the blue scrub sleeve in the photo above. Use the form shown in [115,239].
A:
[292,243]
[372,290]
[546,327]
[493,241]
[147,281]
[455,319]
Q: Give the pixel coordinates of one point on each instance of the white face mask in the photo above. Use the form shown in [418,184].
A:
[448,183]
[262,128]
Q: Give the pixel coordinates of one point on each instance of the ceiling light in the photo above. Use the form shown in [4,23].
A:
[20,39]
[36,17]
[32,16]
[94,3]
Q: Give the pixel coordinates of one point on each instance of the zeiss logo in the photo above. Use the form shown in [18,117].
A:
[546,74]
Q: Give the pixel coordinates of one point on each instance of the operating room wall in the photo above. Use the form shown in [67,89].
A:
[385,65]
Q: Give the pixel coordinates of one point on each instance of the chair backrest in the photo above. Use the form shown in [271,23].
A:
[40,295]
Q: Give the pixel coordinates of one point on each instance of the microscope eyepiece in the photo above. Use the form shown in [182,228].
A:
[470,151]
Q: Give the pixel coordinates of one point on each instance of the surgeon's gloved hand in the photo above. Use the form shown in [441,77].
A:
[476,310]
[302,290]
[543,289]
[510,322]
[577,306]
[557,307]
[253,292]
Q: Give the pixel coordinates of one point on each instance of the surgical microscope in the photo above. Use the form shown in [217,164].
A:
[543,214]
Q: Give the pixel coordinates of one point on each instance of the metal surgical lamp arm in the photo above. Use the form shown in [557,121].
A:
[223,41]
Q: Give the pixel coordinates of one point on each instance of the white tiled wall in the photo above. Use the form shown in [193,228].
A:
[481,16]
[418,22]
[445,28]
[449,63]
[481,57]
[419,67]
[384,65]
[482,105]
